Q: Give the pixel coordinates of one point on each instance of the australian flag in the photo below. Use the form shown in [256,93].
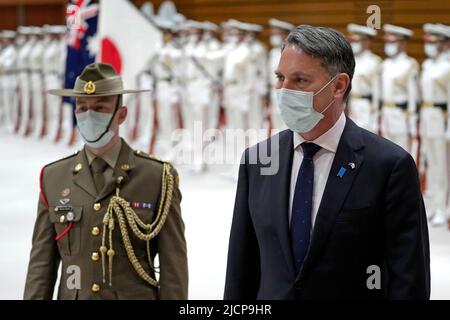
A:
[82,47]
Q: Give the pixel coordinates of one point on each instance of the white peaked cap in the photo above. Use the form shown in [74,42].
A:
[281,24]
[233,23]
[209,26]
[24,29]
[397,30]
[361,30]
[193,24]
[148,10]
[437,29]
[8,34]
[250,27]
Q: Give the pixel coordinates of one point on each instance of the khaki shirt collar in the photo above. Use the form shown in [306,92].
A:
[111,156]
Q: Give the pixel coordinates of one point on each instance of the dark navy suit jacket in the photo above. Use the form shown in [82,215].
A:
[373,215]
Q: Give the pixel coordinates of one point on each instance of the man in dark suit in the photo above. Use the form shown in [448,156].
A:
[342,217]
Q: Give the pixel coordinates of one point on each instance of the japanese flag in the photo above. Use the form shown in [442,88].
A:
[128,41]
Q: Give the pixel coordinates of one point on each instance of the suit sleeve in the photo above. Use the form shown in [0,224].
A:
[406,238]
[243,274]
[44,258]
[173,252]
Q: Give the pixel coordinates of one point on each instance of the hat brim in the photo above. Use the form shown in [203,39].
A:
[71,93]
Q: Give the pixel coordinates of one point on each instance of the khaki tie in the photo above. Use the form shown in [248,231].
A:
[98,168]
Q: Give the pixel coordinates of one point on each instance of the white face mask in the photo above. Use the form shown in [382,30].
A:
[233,39]
[297,110]
[391,49]
[356,47]
[276,40]
[431,50]
[94,128]
[193,38]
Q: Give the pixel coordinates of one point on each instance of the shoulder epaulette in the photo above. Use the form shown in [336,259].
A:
[64,158]
[144,155]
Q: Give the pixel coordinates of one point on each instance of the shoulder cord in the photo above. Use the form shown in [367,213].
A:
[121,209]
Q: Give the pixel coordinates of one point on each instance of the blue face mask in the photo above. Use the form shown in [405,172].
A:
[297,110]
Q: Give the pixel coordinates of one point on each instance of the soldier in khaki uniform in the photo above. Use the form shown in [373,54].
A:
[107,211]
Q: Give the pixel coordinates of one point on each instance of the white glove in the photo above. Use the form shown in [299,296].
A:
[447,134]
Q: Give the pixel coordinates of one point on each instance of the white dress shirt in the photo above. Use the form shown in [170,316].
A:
[323,160]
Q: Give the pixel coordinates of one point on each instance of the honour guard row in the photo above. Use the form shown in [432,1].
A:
[407,103]
[207,76]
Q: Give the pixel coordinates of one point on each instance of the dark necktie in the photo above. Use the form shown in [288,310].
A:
[98,168]
[302,205]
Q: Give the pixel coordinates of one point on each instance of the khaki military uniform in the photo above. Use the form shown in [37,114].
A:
[69,195]
[107,218]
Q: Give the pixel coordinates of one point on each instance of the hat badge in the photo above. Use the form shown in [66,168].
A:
[89,87]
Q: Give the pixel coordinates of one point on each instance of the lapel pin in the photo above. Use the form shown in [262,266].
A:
[341,172]
[352,165]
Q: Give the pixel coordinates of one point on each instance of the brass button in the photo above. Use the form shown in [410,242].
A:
[97,206]
[95,256]
[95,287]
[62,219]
[95,231]
[78,167]
[125,167]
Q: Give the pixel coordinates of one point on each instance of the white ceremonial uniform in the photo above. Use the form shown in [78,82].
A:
[435,85]
[274,60]
[24,79]
[365,94]
[237,86]
[164,69]
[2,107]
[257,111]
[399,78]
[8,60]
[53,77]
[145,113]
[202,99]
[213,61]
[37,87]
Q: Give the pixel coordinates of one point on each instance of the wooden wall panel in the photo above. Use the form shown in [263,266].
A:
[31,12]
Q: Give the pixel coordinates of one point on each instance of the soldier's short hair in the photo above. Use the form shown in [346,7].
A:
[327,44]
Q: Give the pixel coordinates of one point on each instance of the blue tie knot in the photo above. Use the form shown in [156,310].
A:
[309,149]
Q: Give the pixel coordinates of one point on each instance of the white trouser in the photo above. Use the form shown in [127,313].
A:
[360,111]
[66,123]
[146,115]
[38,111]
[25,101]
[166,96]
[9,84]
[53,106]
[394,126]
[2,103]
[436,173]
[214,110]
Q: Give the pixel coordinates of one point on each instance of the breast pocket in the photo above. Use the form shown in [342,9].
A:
[68,237]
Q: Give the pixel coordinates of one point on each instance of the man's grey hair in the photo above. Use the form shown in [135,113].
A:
[327,44]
